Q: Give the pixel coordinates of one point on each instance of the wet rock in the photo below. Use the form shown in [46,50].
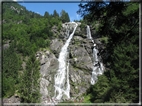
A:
[97,41]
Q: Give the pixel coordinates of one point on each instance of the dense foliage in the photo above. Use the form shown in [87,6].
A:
[10,68]
[29,86]
[64,16]
[118,21]
[27,32]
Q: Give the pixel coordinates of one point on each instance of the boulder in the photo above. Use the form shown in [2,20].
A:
[83,59]
[97,41]
[79,38]
[5,46]
[12,99]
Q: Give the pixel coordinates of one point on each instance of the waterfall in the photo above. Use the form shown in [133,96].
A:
[98,67]
[89,33]
[62,85]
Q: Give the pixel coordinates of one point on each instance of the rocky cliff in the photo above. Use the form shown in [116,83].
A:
[80,58]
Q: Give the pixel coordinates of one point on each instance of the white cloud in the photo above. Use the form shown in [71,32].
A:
[38,12]
[75,17]
[71,19]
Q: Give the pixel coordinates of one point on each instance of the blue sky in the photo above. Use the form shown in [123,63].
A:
[41,7]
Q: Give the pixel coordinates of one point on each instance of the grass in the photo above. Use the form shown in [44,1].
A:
[87,99]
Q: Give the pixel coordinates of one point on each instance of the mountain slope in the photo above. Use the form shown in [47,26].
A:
[23,33]
[31,47]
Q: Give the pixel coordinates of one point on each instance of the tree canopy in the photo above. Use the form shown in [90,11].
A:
[64,16]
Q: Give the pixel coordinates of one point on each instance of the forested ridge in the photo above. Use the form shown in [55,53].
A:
[25,32]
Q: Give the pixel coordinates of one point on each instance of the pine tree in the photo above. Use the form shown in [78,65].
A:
[29,88]
[55,14]
[64,16]
[121,28]
[46,15]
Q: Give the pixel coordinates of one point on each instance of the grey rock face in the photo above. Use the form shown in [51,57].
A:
[97,41]
[81,57]
[81,63]
[56,46]
[48,67]
[12,99]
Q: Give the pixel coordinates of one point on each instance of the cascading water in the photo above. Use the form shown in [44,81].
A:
[62,85]
[98,66]
[89,34]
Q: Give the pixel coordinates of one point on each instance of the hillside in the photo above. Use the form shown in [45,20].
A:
[23,34]
[47,59]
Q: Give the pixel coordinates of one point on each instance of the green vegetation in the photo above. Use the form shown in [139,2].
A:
[117,24]
[29,86]
[27,32]
[10,68]
[104,39]
[87,98]
[64,16]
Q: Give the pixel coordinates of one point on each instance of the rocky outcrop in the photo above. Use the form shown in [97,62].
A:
[15,9]
[56,46]
[48,67]
[12,99]
[6,44]
[80,58]
[79,81]
[80,63]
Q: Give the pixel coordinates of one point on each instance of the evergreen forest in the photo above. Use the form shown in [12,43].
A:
[118,25]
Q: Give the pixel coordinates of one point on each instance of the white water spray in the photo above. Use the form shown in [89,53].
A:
[62,85]
[89,34]
[98,66]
